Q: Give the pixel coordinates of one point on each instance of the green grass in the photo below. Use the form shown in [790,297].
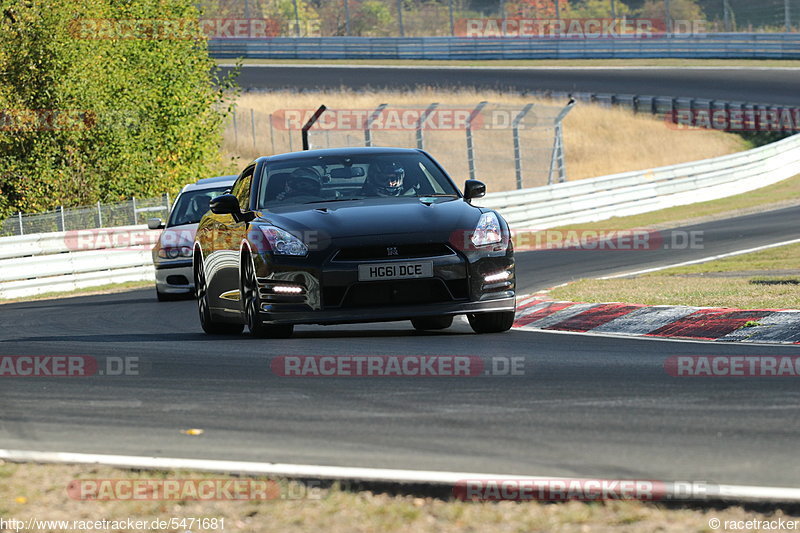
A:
[736,282]
[531,62]
[100,289]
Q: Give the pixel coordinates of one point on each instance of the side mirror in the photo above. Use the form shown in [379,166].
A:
[227,204]
[155,223]
[474,189]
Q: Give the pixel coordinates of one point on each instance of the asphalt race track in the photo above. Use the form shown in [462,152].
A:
[773,86]
[585,406]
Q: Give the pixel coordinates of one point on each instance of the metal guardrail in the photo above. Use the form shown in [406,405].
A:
[65,261]
[698,46]
[670,105]
[35,264]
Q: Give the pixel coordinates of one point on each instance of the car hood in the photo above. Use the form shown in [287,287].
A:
[358,218]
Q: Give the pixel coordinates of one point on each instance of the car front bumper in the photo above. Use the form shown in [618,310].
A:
[333,294]
[174,277]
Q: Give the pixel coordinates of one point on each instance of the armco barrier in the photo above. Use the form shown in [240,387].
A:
[35,264]
[50,262]
[699,46]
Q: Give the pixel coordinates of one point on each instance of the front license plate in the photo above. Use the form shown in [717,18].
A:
[383,271]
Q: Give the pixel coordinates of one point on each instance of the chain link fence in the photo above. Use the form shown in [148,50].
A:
[508,147]
[134,211]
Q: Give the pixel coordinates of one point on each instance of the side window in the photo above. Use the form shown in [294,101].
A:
[241,189]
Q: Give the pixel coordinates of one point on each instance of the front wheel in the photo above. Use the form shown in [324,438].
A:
[497,322]
[207,322]
[252,303]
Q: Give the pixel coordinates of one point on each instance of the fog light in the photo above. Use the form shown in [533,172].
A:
[500,276]
[287,289]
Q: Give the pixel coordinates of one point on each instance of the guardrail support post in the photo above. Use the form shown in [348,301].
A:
[470,144]
[368,125]
[420,124]
[557,157]
[517,150]
[318,113]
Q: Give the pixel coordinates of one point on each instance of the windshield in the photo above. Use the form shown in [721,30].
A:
[192,205]
[328,179]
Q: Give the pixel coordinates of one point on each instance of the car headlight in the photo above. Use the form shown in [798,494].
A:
[283,243]
[173,253]
[487,231]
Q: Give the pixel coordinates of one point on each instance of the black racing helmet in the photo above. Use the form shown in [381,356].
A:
[387,177]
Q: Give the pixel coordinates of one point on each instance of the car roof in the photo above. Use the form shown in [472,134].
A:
[339,152]
[210,183]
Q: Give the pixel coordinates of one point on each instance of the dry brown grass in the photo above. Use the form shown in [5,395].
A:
[598,141]
[35,491]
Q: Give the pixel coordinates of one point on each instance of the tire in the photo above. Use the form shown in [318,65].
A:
[207,322]
[497,322]
[432,322]
[252,305]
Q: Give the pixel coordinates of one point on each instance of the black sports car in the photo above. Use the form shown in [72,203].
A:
[351,235]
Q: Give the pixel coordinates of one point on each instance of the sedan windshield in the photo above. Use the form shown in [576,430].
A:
[192,205]
[340,178]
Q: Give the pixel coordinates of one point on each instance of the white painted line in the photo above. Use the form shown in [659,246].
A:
[326,66]
[703,260]
[733,492]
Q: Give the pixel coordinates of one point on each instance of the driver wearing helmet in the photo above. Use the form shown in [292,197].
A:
[304,183]
[385,179]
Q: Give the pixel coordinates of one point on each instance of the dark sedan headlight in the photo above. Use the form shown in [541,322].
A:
[174,253]
[281,242]
[487,231]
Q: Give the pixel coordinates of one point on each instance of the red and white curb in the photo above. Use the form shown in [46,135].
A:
[703,323]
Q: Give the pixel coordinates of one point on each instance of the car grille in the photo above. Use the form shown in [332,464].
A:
[404,251]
